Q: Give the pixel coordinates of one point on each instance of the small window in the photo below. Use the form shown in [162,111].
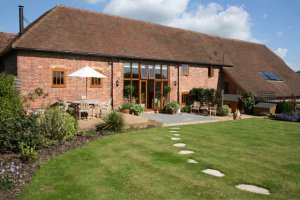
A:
[269,76]
[211,72]
[127,70]
[185,69]
[184,98]
[158,71]
[58,78]
[151,71]
[96,82]
[164,70]
[135,70]
[144,73]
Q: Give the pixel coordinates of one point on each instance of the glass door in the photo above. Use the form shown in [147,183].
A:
[143,93]
[158,94]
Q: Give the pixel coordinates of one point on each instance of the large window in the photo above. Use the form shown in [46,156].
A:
[58,78]
[97,82]
[185,69]
[269,76]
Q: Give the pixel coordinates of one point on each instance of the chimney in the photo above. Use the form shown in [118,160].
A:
[21,19]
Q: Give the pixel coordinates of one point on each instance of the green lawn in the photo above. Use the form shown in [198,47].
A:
[145,165]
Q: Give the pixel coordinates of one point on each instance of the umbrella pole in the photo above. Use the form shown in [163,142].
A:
[86,87]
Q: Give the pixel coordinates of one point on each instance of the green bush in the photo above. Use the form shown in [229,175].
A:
[224,111]
[172,107]
[57,125]
[247,102]
[136,108]
[285,107]
[126,105]
[27,153]
[114,121]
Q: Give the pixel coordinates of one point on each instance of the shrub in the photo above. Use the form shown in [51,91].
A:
[114,121]
[292,117]
[57,125]
[136,108]
[126,105]
[285,107]
[27,153]
[9,173]
[197,94]
[172,107]
[224,111]
[247,102]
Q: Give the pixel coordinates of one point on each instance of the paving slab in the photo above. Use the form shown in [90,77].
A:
[192,161]
[213,172]
[185,152]
[179,145]
[175,138]
[253,188]
[176,134]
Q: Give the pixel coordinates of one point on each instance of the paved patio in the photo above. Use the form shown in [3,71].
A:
[183,118]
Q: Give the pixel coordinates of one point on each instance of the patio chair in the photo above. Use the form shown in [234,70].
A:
[83,108]
[213,110]
[196,106]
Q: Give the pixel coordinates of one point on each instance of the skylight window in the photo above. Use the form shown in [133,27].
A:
[270,76]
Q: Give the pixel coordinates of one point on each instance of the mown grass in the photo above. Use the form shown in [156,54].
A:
[145,165]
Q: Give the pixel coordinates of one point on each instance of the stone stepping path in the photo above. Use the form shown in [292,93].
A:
[179,145]
[253,188]
[213,172]
[185,152]
[173,131]
[192,161]
[176,134]
[174,128]
[175,138]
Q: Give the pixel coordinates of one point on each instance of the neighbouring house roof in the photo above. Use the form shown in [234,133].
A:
[249,59]
[265,105]
[74,30]
[5,40]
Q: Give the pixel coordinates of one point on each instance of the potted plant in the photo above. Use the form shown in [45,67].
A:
[172,108]
[129,89]
[126,106]
[136,109]
[247,102]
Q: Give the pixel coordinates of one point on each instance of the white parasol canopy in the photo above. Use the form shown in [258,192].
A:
[87,72]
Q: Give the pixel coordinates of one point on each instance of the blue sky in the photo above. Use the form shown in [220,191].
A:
[272,22]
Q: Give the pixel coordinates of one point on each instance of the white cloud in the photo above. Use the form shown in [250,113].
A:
[90,1]
[279,33]
[281,52]
[233,22]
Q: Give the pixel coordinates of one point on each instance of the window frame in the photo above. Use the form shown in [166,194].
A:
[53,85]
[185,72]
[267,75]
[94,78]
[186,98]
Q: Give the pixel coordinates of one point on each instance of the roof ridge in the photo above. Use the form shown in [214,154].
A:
[32,26]
[156,24]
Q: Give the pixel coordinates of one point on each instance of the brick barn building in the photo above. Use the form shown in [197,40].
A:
[145,55]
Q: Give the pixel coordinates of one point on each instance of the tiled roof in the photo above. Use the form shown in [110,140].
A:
[5,41]
[249,59]
[75,30]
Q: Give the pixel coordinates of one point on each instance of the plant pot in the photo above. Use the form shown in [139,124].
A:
[127,111]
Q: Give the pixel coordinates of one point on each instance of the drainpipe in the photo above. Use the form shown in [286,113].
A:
[178,83]
[112,84]
[21,19]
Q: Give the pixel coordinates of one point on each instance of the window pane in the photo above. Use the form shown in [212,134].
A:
[185,69]
[54,77]
[143,71]
[62,78]
[157,71]
[157,101]
[164,72]
[264,76]
[126,95]
[126,70]
[135,70]
[135,94]
[151,71]
[272,76]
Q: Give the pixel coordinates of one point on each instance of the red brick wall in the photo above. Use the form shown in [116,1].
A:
[35,70]
[198,77]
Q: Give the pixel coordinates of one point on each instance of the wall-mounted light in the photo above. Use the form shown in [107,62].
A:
[175,83]
[109,62]
[117,83]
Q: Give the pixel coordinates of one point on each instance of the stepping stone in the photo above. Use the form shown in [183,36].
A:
[174,128]
[185,152]
[173,131]
[192,161]
[176,134]
[213,172]
[253,188]
[179,145]
[175,138]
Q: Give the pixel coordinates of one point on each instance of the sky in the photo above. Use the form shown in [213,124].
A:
[274,23]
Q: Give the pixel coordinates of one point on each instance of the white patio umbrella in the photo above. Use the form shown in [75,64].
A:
[87,72]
